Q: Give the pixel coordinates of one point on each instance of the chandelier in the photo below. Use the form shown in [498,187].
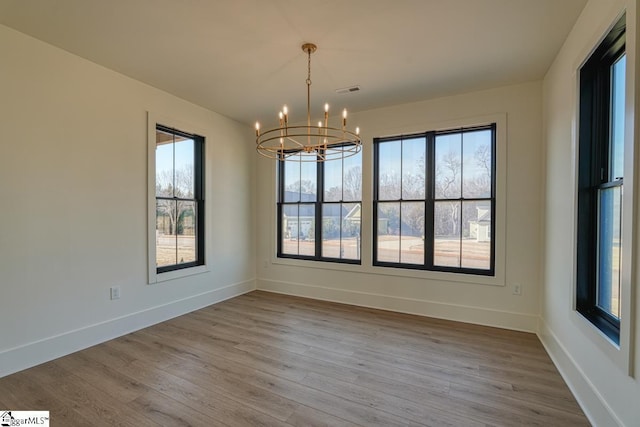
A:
[326,142]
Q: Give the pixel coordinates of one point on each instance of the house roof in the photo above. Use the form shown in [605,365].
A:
[242,58]
[334,210]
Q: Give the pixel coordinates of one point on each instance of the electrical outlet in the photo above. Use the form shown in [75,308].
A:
[115,292]
[517,289]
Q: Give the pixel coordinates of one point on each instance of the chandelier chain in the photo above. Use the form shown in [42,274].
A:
[309,91]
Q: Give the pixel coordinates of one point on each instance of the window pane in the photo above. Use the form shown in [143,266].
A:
[184,173]
[164,164]
[308,176]
[291,181]
[389,163]
[413,168]
[350,244]
[166,215]
[341,230]
[186,232]
[290,229]
[476,167]
[446,234]
[617,118]
[352,180]
[388,232]
[609,244]
[333,181]
[476,235]
[298,229]
[331,219]
[448,166]
[412,233]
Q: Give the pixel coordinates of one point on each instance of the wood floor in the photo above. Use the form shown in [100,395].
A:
[267,359]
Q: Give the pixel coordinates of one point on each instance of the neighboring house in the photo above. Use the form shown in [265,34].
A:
[298,219]
[480,229]
[353,217]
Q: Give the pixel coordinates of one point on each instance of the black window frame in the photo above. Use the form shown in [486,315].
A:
[318,205]
[593,172]
[430,200]
[198,198]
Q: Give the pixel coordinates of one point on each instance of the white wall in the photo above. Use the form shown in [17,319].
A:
[459,297]
[596,371]
[73,185]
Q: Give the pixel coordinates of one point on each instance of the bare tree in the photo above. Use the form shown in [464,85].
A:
[448,171]
[304,186]
[389,186]
[448,175]
[333,194]
[413,218]
[184,182]
[482,157]
[179,186]
[352,183]
[478,184]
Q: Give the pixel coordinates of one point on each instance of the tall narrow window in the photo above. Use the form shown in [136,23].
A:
[600,182]
[319,207]
[179,199]
[434,201]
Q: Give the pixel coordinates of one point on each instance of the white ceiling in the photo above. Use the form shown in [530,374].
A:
[242,58]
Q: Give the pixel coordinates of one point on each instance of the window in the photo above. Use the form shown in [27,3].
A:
[319,207]
[179,189]
[600,183]
[434,201]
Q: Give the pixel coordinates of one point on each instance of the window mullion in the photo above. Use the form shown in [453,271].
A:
[461,201]
[429,229]
[319,203]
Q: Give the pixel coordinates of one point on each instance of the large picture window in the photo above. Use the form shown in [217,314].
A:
[319,206]
[434,201]
[179,189]
[600,183]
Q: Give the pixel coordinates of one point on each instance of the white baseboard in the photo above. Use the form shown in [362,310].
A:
[590,400]
[460,313]
[35,353]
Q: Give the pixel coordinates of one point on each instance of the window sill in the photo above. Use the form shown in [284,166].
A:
[496,280]
[602,328]
[177,274]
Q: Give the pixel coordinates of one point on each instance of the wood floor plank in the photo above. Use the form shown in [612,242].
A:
[119,386]
[21,393]
[91,402]
[538,414]
[305,416]
[260,383]
[420,413]
[265,359]
[214,404]
[164,411]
